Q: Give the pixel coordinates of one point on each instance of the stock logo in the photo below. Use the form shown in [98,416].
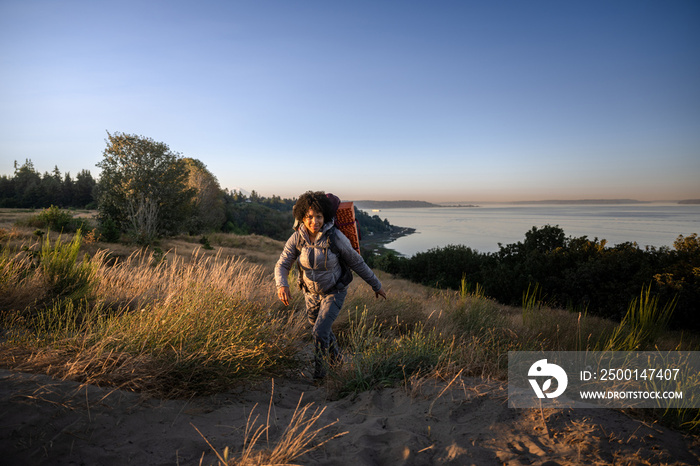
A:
[543,369]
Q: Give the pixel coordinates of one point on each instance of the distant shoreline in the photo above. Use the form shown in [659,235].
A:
[378,241]
[584,201]
[602,202]
[392,204]
[378,205]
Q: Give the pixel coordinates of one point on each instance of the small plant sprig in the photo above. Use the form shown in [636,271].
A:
[642,324]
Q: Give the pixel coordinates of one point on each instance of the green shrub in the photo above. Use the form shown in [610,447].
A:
[56,219]
[60,271]
[109,230]
[204,241]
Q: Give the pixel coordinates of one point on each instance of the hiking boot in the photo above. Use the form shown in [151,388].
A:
[319,368]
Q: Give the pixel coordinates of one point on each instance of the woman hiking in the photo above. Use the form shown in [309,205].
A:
[321,250]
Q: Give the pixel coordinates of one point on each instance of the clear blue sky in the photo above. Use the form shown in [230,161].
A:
[440,101]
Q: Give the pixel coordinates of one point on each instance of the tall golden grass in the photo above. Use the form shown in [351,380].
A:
[173,327]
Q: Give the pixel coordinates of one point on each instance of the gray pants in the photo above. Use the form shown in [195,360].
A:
[322,310]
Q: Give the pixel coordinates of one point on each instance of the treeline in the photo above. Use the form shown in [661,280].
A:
[146,191]
[273,216]
[28,188]
[258,215]
[577,273]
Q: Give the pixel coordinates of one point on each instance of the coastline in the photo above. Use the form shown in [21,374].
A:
[484,228]
[377,242]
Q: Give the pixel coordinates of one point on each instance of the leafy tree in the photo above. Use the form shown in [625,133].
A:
[444,267]
[545,239]
[520,264]
[209,208]
[143,187]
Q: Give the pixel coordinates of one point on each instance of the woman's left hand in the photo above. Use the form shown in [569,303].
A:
[379,293]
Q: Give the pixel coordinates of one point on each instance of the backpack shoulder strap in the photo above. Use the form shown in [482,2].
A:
[332,240]
[301,242]
[300,278]
[345,271]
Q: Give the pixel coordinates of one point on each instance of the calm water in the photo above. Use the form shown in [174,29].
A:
[482,228]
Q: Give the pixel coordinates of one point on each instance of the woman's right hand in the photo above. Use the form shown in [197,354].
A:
[284,295]
[379,293]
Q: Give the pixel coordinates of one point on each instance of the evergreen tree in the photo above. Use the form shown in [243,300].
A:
[83,189]
[67,191]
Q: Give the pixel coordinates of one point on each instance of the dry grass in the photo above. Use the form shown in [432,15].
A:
[167,324]
[10,217]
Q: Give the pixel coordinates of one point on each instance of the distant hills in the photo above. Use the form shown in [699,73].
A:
[601,201]
[584,201]
[393,204]
[377,205]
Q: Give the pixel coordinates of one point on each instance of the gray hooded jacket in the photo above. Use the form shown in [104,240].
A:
[320,266]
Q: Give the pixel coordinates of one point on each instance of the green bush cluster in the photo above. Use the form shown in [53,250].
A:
[63,274]
[55,219]
[575,273]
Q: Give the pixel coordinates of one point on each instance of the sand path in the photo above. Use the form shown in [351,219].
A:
[47,421]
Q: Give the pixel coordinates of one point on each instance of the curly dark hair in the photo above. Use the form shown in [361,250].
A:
[316,200]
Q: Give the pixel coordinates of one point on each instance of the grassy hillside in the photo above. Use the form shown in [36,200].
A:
[179,320]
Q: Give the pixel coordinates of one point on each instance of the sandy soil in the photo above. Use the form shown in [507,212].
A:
[52,422]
